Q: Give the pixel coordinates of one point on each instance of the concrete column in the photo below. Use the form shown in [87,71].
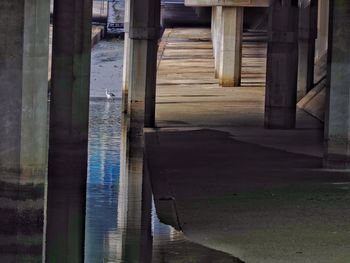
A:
[24,28]
[282,65]
[69,116]
[212,29]
[127,58]
[231,46]
[143,34]
[212,26]
[307,37]
[322,28]
[138,228]
[23,80]
[337,122]
[217,39]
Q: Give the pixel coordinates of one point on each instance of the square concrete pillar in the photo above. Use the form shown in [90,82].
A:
[126,59]
[144,33]
[24,48]
[337,122]
[212,25]
[282,65]
[69,118]
[213,36]
[212,29]
[231,46]
[322,28]
[307,37]
[217,38]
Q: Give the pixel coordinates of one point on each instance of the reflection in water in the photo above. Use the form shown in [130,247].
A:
[103,179]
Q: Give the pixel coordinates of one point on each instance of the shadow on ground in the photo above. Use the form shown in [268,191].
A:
[258,203]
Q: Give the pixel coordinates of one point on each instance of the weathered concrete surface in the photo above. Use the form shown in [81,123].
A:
[97,33]
[337,122]
[216,37]
[307,37]
[322,26]
[282,65]
[24,28]
[251,194]
[176,248]
[230,49]
[24,53]
[228,183]
[126,59]
[68,143]
[144,33]
[99,10]
[314,101]
[140,76]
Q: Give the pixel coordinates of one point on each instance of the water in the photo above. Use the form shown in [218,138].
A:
[104,154]
[103,181]
[107,68]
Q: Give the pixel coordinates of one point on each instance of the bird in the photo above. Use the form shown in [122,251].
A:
[110,95]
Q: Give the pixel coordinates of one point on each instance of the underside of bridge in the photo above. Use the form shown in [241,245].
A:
[239,133]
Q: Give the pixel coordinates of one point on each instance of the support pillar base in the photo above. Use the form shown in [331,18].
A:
[336,162]
[337,155]
[280,118]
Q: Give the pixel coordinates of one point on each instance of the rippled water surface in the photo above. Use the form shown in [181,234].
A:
[103,181]
[104,149]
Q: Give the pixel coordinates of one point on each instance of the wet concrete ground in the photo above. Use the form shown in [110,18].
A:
[258,203]
[228,183]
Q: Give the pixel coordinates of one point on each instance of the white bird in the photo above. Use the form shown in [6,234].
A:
[109,95]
